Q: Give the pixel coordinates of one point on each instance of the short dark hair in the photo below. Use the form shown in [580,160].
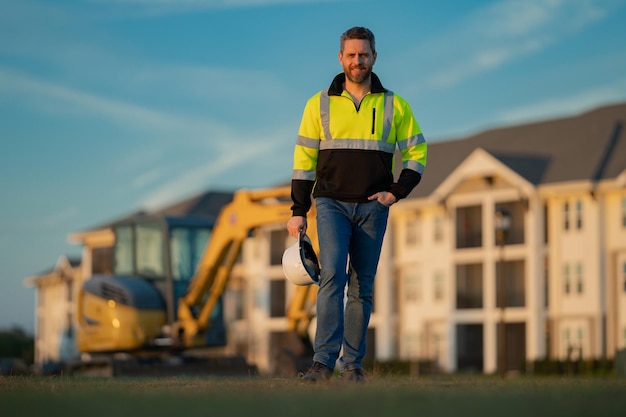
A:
[358,32]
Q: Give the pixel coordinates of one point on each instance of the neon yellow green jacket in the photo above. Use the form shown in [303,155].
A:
[346,152]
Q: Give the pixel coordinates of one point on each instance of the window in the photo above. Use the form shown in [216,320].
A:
[412,287]
[413,231]
[509,222]
[469,286]
[412,342]
[186,248]
[469,347]
[511,284]
[277,298]
[102,260]
[566,278]
[579,214]
[579,278]
[438,233]
[438,287]
[70,293]
[278,244]
[139,249]
[545,223]
[124,253]
[469,227]
[149,249]
[546,283]
[566,216]
[237,299]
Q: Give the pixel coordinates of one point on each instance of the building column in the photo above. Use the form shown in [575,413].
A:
[384,300]
[534,279]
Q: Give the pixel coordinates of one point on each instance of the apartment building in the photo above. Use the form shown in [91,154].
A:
[513,248]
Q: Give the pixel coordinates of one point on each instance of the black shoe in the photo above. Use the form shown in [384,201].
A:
[317,372]
[353,375]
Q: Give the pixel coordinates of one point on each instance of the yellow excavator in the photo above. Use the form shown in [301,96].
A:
[166,293]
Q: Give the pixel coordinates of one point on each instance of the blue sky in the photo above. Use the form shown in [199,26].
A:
[109,106]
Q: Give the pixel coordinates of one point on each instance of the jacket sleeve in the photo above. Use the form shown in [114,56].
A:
[406,182]
[305,157]
[301,196]
[412,146]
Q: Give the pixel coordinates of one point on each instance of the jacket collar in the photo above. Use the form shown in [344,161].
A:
[336,87]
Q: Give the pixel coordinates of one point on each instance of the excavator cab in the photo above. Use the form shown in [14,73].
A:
[155,258]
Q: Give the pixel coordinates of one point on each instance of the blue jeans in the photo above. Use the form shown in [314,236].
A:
[347,232]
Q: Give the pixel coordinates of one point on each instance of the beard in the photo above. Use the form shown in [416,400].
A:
[357,74]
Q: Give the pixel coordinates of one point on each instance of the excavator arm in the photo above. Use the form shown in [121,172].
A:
[249,209]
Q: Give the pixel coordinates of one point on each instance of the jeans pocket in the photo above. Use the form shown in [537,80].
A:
[384,206]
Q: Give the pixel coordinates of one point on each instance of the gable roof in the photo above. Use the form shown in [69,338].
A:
[207,205]
[590,146]
[56,272]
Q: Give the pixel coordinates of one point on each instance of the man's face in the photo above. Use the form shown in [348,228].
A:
[357,59]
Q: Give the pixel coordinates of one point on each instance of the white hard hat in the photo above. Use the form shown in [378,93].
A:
[300,262]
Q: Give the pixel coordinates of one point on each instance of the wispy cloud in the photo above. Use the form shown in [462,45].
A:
[147,178]
[114,110]
[228,148]
[229,160]
[501,33]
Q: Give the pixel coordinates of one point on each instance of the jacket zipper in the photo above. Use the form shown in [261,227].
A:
[373,120]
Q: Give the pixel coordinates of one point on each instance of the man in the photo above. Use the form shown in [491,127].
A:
[344,157]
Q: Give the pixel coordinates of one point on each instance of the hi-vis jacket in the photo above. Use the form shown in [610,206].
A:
[347,152]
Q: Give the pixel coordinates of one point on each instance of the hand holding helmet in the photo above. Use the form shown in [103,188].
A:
[300,264]
[297,225]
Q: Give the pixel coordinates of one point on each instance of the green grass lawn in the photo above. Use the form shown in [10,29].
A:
[263,396]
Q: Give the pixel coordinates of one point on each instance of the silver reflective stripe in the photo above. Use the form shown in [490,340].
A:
[308,142]
[414,165]
[325,113]
[361,144]
[412,141]
[300,174]
[388,116]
